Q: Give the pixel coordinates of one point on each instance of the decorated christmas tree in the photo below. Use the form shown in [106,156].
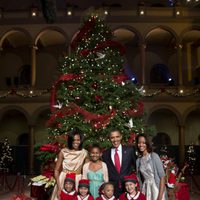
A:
[93,94]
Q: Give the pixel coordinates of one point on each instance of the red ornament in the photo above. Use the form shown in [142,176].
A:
[95,85]
[98,98]
[122,70]
[59,125]
[77,98]
[97,125]
[70,87]
[84,52]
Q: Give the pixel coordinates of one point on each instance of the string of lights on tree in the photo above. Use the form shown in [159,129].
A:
[191,158]
[6,156]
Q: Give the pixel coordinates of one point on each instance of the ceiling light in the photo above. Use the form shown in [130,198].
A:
[141,12]
[69,9]
[34,11]
[106,12]
[69,12]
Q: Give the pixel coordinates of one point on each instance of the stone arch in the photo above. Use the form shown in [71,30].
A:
[166,120]
[190,38]
[13,122]
[18,108]
[192,127]
[190,28]
[132,39]
[189,110]
[166,28]
[14,30]
[161,44]
[52,28]
[164,106]
[132,29]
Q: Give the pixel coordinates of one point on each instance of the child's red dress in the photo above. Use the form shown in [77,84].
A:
[67,196]
[102,197]
[88,197]
[138,196]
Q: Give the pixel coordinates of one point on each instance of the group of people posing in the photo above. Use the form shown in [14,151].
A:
[116,173]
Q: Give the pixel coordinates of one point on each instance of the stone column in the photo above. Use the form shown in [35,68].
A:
[142,63]
[180,70]
[33,65]
[198,56]
[181,138]
[189,61]
[31,148]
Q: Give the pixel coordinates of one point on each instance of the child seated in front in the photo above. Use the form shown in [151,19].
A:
[68,192]
[106,192]
[132,189]
[83,190]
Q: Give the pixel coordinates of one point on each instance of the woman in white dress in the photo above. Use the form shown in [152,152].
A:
[70,160]
[150,170]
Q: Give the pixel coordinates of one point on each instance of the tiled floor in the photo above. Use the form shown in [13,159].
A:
[5,194]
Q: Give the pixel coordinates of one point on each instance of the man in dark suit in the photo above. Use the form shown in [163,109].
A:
[120,160]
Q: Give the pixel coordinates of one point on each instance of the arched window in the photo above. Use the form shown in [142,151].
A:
[23,139]
[25,75]
[161,139]
[160,74]
[197,76]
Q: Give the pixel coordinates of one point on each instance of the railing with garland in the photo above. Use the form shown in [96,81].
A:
[146,91]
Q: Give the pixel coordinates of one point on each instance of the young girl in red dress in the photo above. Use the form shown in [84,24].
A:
[68,192]
[132,189]
[106,192]
[83,190]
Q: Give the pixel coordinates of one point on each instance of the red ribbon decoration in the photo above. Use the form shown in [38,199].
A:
[120,78]
[131,138]
[65,77]
[136,112]
[83,32]
[96,120]
[51,147]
